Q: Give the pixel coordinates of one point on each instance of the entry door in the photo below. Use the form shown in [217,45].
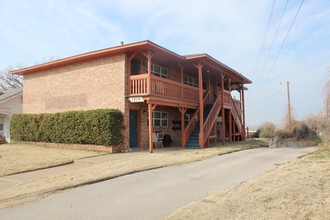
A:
[133,130]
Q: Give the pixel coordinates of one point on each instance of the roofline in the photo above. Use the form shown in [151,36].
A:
[205,55]
[113,50]
[11,97]
[90,56]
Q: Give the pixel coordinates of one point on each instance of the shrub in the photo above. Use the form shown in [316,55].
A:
[100,127]
[282,134]
[303,131]
[257,134]
[267,130]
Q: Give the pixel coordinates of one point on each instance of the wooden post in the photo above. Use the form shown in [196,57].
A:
[230,114]
[201,104]
[149,55]
[183,134]
[151,108]
[243,112]
[215,133]
[223,126]
[209,86]
[181,66]
[129,70]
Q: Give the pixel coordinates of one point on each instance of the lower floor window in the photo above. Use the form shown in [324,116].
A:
[159,119]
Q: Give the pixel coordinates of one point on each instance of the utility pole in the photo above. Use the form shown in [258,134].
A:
[289,103]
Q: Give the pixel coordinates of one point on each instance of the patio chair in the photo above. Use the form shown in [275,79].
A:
[157,142]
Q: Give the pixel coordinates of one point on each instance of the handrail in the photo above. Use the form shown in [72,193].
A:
[192,123]
[211,118]
[206,96]
[237,118]
[162,87]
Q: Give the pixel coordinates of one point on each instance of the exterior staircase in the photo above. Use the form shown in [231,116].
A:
[193,142]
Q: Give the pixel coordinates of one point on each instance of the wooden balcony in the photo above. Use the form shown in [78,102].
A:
[163,88]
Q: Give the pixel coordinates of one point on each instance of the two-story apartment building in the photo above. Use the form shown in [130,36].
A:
[158,91]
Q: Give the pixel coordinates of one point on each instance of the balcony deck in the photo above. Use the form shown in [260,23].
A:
[164,90]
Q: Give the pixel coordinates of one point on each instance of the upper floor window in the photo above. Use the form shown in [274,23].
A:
[192,81]
[155,70]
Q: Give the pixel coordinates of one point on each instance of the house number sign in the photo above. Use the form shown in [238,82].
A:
[136,99]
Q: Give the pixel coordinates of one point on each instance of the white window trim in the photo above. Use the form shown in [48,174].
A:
[161,119]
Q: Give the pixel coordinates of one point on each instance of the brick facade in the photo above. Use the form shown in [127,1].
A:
[94,84]
[87,85]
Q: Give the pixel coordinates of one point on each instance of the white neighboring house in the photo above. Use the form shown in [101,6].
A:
[10,103]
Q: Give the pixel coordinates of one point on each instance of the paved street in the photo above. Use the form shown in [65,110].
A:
[156,193]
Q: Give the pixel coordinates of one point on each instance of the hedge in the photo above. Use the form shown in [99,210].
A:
[99,127]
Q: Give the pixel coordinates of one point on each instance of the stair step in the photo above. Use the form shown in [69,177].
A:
[193,141]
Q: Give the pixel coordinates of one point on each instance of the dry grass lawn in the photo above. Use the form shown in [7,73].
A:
[296,190]
[17,158]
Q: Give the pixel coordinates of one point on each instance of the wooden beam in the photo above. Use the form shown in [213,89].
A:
[230,127]
[209,87]
[183,134]
[181,67]
[149,54]
[199,67]
[223,127]
[243,112]
[151,108]
[129,70]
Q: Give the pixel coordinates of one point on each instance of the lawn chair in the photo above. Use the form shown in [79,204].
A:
[156,141]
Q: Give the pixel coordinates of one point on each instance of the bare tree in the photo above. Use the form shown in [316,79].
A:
[8,80]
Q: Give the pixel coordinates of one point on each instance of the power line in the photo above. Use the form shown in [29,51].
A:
[265,35]
[279,51]
[278,27]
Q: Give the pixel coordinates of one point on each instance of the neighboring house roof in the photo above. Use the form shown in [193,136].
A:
[162,53]
[11,93]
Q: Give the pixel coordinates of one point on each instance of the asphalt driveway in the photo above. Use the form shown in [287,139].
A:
[156,193]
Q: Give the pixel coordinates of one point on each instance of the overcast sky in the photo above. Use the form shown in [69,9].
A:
[247,35]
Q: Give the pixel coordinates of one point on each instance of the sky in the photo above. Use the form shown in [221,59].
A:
[271,42]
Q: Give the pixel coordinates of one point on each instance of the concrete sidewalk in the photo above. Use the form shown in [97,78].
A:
[25,187]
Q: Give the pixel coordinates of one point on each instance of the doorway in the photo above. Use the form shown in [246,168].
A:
[133,129]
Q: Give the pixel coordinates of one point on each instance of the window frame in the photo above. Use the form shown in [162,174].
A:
[191,81]
[163,121]
[156,70]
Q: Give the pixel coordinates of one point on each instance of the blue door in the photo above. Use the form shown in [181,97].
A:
[133,129]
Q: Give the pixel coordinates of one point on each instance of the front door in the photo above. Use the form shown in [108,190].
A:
[133,129]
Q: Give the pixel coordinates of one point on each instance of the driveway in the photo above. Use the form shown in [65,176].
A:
[156,193]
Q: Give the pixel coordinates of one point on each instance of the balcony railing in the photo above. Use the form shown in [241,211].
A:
[162,87]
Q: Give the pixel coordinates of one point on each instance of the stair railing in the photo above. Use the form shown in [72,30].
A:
[194,121]
[211,118]
[237,118]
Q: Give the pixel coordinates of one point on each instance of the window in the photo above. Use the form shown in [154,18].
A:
[159,119]
[187,118]
[192,81]
[155,70]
